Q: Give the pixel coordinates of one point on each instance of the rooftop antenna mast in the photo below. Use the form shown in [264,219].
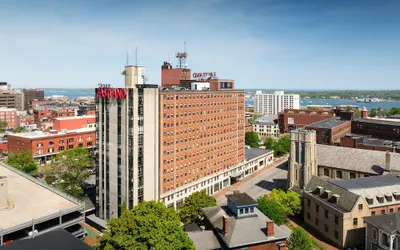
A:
[127,58]
[181,56]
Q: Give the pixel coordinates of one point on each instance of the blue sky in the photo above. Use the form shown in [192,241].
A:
[268,44]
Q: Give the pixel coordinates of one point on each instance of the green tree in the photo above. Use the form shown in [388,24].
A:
[289,201]
[357,113]
[282,146]
[190,210]
[251,139]
[313,108]
[123,207]
[20,130]
[23,161]
[373,112]
[149,225]
[69,170]
[3,125]
[299,240]
[269,143]
[271,209]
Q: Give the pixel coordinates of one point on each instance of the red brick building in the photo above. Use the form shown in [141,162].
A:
[75,122]
[330,131]
[25,120]
[239,225]
[367,142]
[201,133]
[43,145]
[43,112]
[388,129]
[9,115]
[298,118]
[172,76]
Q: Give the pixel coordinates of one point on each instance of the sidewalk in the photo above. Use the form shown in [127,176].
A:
[249,177]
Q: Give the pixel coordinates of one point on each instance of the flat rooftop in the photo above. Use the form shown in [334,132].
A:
[392,122]
[29,199]
[371,141]
[241,199]
[328,123]
[252,153]
[41,134]
[74,117]
[163,92]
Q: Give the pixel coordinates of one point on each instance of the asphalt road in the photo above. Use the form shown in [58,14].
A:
[261,184]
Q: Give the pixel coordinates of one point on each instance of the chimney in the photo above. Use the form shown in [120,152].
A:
[3,192]
[387,161]
[225,224]
[236,192]
[270,229]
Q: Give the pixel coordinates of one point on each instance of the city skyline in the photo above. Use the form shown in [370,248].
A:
[260,44]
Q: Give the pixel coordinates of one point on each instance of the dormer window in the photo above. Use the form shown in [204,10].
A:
[388,197]
[370,200]
[396,196]
[380,199]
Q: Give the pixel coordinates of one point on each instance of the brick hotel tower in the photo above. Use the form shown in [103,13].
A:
[164,145]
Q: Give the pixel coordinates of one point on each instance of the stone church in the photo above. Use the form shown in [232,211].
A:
[308,158]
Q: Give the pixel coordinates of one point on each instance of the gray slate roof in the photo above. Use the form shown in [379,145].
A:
[241,199]
[346,201]
[242,231]
[328,123]
[265,120]
[373,187]
[387,222]
[360,160]
[252,153]
[204,240]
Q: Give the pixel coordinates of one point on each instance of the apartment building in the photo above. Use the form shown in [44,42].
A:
[31,94]
[274,103]
[53,111]
[266,126]
[337,208]
[11,98]
[9,115]
[330,131]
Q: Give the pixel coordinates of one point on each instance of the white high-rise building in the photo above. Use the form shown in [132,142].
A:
[275,103]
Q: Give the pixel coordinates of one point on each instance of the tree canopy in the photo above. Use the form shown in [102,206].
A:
[190,210]
[282,146]
[251,139]
[383,112]
[299,240]
[69,170]
[3,125]
[269,143]
[23,161]
[271,209]
[289,201]
[149,225]
[20,130]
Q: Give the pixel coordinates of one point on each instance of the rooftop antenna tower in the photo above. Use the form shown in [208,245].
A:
[181,56]
[127,59]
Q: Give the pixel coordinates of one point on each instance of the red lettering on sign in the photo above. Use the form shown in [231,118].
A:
[111,93]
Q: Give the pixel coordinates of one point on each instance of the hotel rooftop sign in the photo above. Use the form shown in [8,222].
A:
[105,91]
